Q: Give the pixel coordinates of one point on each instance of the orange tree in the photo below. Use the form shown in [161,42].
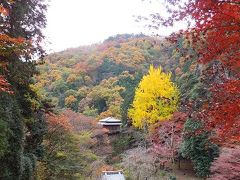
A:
[8,45]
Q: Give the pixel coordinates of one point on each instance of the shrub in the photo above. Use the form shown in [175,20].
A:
[227,165]
[198,148]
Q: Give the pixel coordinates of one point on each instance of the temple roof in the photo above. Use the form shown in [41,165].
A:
[110,121]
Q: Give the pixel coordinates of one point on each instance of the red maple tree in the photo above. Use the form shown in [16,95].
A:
[214,33]
[4,85]
[166,137]
[212,23]
[58,121]
[223,111]
[227,165]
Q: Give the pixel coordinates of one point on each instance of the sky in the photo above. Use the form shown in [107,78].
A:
[73,23]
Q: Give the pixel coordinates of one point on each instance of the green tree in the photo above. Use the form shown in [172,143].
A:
[129,82]
[198,148]
[104,97]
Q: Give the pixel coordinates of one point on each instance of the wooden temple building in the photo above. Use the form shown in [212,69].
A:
[112,124]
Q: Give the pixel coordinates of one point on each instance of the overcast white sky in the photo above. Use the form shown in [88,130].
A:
[73,23]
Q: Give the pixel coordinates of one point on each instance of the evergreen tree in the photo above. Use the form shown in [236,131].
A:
[21,113]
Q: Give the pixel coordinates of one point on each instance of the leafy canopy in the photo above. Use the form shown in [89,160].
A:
[156,99]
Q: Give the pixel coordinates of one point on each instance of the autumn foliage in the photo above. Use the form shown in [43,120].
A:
[212,24]
[223,112]
[166,137]
[3,11]
[227,165]
[9,46]
[213,32]
[4,86]
[58,121]
[156,99]
[219,22]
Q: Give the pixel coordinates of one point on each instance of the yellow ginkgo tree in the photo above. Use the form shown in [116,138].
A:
[156,99]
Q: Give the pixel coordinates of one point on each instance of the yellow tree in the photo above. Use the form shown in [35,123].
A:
[156,99]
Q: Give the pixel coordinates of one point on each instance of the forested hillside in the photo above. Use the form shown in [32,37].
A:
[100,80]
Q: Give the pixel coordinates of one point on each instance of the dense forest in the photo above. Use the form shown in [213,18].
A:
[177,97]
